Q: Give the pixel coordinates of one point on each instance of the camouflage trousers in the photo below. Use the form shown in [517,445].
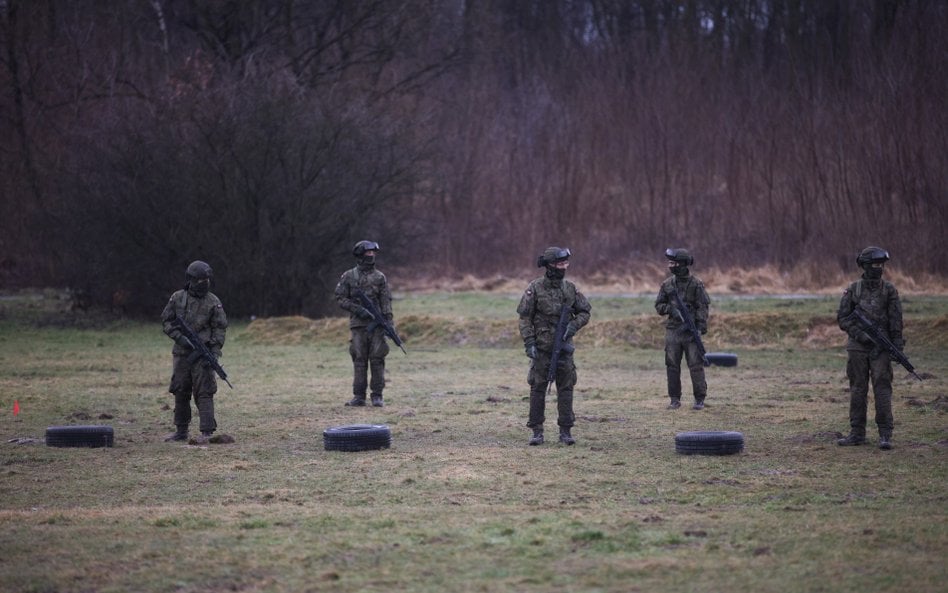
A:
[193,379]
[677,345]
[862,368]
[367,351]
[565,381]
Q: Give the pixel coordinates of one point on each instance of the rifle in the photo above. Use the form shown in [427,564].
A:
[686,318]
[881,340]
[378,320]
[199,351]
[559,345]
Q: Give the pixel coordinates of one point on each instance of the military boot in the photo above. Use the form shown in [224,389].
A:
[699,405]
[852,440]
[537,438]
[356,401]
[181,434]
[377,400]
[565,437]
[885,441]
[203,439]
[674,404]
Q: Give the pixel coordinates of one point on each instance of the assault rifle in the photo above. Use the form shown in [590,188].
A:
[378,320]
[199,350]
[559,345]
[686,318]
[882,341]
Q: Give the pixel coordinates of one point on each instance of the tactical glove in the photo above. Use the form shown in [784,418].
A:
[183,342]
[364,313]
[530,348]
[570,331]
[900,344]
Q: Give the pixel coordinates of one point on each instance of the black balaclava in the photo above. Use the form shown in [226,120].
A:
[198,287]
[872,274]
[554,273]
[680,270]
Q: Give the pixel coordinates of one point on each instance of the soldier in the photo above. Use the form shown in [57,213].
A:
[678,341]
[878,301]
[203,312]
[539,312]
[367,351]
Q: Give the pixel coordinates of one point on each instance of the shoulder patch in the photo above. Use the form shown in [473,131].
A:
[529,292]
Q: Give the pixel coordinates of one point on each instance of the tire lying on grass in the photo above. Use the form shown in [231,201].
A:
[357,437]
[80,436]
[722,359]
[702,442]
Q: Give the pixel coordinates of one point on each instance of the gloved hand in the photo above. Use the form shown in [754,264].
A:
[182,341]
[216,351]
[900,344]
[364,313]
[530,348]
[570,331]
[703,329]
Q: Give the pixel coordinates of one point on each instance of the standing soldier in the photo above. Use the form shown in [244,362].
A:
[203,312]
[878,301]
[540,309]
[367,350]
[678,340]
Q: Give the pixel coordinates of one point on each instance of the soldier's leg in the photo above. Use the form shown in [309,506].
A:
[565,381]
[699,385]
[673,354]
[181,388]
[537,380]
[359,351]
[857,370]
[881,372]
[205,386]
[378,350]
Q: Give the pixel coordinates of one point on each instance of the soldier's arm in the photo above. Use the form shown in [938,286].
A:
[167,317]
[385,300]
[582,311]
[894,314]
[218,324]
[843,314]
[525,310]
[702,308]
[343,292]
[661,301]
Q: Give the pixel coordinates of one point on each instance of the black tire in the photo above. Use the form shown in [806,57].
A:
[722,359]
[357,437]
[80,436]
[709,443]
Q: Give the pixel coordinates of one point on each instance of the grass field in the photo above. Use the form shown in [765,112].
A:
[459,502]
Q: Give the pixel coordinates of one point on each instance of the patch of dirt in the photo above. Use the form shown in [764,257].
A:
[819,437]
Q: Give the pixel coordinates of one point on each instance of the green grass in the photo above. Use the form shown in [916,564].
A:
[460,503]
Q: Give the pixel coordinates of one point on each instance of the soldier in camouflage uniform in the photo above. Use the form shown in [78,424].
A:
[539,312]
[878,301]
[203,312]
[678,340]
[367,350]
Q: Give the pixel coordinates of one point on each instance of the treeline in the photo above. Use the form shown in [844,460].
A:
[267,137]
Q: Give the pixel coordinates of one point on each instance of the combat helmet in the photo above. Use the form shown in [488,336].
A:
[551,255]
[199,276]
[871,255]
[362,246]
[199,270]
[679,256]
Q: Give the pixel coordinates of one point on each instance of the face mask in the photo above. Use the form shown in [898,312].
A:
[680,271]
[367,261]
[555,273]
[199,287]
[873,273]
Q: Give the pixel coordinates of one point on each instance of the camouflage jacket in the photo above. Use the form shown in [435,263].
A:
[540,307]
[375,286]
[205,315]
[694,296]
[879,302]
